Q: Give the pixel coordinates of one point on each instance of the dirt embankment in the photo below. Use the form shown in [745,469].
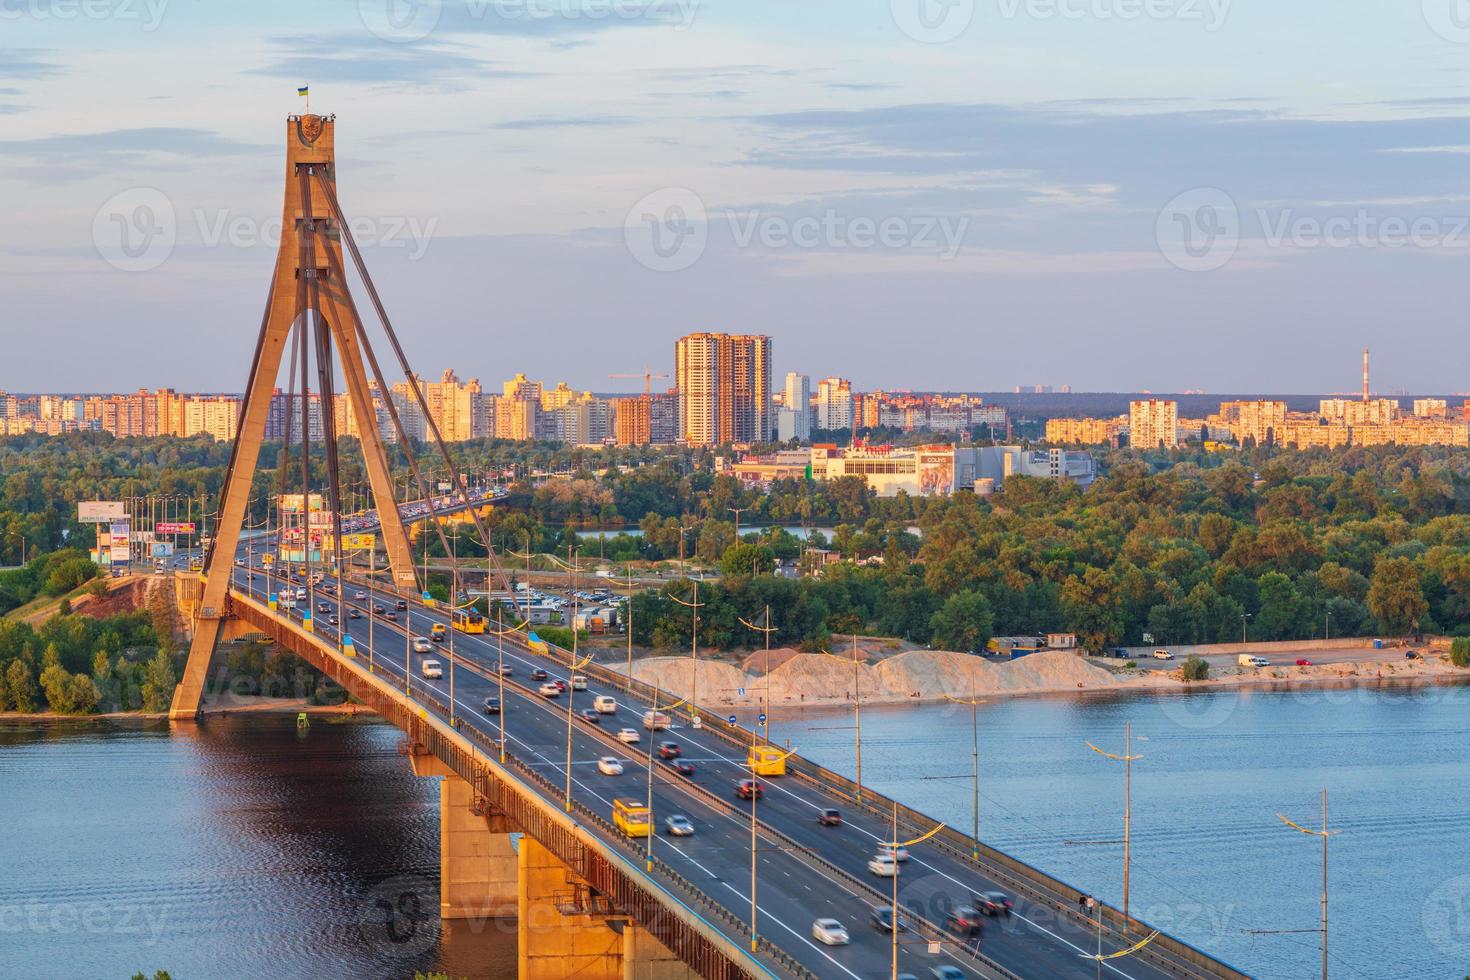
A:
[934,675]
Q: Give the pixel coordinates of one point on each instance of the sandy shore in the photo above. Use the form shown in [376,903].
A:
[927,676]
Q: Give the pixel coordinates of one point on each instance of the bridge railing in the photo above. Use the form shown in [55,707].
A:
[528,810]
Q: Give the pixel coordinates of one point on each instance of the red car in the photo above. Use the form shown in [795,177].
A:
[829,818]
[1303,662]
[669,750]
[747,788]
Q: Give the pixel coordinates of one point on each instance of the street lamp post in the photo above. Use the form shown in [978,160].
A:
[1324,833]
[693,606]
[767,629]
[1127,758]
[1243,618]
[737,511]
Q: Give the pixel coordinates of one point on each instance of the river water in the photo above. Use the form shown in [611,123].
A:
[248,849]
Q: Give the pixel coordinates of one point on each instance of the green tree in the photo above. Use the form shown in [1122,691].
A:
[963,622]
[22,688]
[747,559]
[1396,595]
[1195,668]
[158,683]
[1460,651]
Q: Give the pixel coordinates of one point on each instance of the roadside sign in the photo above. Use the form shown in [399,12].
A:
[732,719]
[762,719]
[740,691]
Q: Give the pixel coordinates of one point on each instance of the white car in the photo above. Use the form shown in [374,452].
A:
[431,668]
[899,853]
[883,865]
[629,735]
[422,645]
[359,595]
[679,825]
[830,932]
[579,682]
[550,690]
[609,766]
[1163,655]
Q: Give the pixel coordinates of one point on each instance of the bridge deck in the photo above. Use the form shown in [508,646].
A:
[804,870]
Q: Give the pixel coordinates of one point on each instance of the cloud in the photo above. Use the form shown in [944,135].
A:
[559,20]
[562,122]
[353,59]
[66,157]
[25,63]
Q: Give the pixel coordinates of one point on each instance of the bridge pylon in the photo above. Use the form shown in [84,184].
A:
[309,278]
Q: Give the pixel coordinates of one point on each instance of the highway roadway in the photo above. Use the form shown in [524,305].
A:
[795,880]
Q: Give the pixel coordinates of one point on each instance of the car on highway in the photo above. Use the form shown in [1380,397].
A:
[829,817]
[422,645]
[550,691]
[900,853]
[505,670]
[1303,662]
[993,903]
[591,717]
[610,766]
[629,735]
[946,971]
[680,766]
[401,605]
[963,921]
[377,609]
[605,705]
[353,614]
[323,607]
[359,595]
[669,750]
[431,668]
[883,865]
[679,825]
[561,685]
[436,632]
[882,919]
[332,619]
[746,788]
[391,616]
[538,674]
[579,682]
[1163,655]
[492,706]
[829,932]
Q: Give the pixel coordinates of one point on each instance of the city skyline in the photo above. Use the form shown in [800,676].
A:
[489,168]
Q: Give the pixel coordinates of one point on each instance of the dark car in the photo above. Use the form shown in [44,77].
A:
[680,766]
[377,609]
[963,921]
[829,818]
[538,674]
[492,706]
[882,919]
[353,614]
[401,604]
[332,619]
[591,717]
[1411,654]
[992,903]
[669,750]
[505,670]
[323,607]
[747,788]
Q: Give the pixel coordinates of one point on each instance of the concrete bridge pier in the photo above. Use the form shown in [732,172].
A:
[478,870]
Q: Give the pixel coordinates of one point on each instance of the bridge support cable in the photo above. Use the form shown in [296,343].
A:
[456,476]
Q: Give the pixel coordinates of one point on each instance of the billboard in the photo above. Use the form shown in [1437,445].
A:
[100,511]
[291,503]
[162,549]
[118,532]
[358,541]
[174,527]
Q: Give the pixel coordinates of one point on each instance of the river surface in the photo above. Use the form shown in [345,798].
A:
[1211,862]
[247,849]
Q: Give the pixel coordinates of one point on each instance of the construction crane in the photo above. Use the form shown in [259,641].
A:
[647,377]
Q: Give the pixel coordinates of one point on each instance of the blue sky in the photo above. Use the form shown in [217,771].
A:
[1228,195]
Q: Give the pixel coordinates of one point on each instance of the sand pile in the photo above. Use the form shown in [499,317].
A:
[718,682]
[756,662]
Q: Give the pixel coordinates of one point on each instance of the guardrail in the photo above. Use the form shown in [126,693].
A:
[529,811]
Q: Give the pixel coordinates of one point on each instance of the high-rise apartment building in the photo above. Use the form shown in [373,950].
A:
[724,386]
[794,420]
[834,403]
[1431,408]
[1153,423]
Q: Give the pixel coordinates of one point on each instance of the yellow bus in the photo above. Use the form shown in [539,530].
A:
[632,817]
[467,620]
[766,760]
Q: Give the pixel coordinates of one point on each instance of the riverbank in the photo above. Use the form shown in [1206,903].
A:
[931,676]
[218,706]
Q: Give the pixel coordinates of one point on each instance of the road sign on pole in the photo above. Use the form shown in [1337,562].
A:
[732,719]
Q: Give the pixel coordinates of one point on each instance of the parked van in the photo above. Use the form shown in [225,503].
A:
[1163,655]
[605,705]
[1251,660]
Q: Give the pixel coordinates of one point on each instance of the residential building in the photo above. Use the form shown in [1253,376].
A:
[1153,423]
[724,386]
[834,404]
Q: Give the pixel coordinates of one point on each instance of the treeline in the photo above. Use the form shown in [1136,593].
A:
[81,665]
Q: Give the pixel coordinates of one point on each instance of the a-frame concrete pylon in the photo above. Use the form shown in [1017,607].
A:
[309,158]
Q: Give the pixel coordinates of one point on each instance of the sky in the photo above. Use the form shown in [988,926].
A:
[1119,195]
